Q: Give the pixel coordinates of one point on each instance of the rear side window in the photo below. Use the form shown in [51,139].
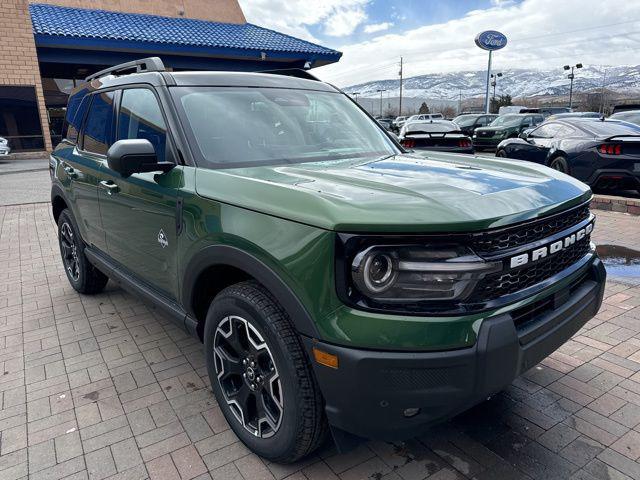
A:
[140,117]
[550,130]
[98,127]
[76,108]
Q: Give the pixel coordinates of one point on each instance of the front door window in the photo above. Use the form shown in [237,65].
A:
[140,117]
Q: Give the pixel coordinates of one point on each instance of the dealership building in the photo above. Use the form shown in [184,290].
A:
[49,46]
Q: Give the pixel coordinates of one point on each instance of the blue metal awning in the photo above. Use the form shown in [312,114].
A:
[67,29]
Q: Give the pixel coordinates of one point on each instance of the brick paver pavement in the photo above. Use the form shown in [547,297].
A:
[103,387]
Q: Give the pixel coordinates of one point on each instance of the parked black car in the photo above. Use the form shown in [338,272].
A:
[385,122]
[469,122]
[438,135]
[562,116]
[632,116]
[547,111]
[601,153]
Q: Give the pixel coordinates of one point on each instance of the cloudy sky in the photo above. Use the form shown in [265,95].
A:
[437,35]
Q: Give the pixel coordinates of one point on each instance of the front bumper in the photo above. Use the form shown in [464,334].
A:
[369,392]
[486,142]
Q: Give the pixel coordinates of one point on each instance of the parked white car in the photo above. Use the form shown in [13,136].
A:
[425,117]
[4,147]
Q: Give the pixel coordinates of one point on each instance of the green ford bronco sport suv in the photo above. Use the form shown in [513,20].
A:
[339,284]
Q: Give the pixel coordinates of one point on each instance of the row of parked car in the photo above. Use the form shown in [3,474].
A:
[604,153]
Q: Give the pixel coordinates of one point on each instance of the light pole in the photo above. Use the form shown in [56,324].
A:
[571,76]
[494,81]
[381,90]
[355,96]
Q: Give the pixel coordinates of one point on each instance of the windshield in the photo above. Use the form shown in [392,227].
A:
[506,121]
[465,120]
[262,126]
[633,117]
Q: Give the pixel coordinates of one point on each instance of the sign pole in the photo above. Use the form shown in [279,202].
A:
[490,40]
[486,97]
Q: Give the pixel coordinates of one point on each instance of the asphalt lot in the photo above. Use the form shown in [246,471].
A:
[105,387]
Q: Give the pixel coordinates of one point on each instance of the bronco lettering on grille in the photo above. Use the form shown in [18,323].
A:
[555,247]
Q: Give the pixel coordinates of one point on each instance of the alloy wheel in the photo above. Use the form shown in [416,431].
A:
[248,376]
[69,251]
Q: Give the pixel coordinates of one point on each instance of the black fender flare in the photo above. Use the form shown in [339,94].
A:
[231,256]
[58,191]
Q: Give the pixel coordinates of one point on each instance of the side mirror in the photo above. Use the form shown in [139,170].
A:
[524,135]
[135,156]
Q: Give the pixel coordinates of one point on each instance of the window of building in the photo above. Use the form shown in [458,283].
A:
[99,124]
[20,119]
[141,117]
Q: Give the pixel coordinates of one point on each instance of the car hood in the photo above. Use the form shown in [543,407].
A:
[428,192]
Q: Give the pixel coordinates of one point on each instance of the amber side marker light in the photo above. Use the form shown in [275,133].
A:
[324,358]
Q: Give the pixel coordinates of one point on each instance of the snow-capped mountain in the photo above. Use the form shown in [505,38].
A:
[515,82]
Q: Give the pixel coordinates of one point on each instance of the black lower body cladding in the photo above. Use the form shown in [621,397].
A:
[375,394]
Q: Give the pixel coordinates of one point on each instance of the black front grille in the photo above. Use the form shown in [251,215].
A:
[493,242]
[499,284]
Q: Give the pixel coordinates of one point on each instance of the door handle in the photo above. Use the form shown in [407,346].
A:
[70,171]
[109,186]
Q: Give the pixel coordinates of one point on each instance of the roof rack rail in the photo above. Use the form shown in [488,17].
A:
[292,72]
[150,64]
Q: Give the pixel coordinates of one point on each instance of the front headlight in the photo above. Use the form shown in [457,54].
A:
[418,273]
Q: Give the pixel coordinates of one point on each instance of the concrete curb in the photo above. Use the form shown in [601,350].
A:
[616,204]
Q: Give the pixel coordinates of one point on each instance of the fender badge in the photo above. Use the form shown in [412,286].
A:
[162,239]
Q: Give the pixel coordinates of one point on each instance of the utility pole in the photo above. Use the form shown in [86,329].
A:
[602,98]
[460,102]
[400,106]
[381,90]
[494,82]
[571,76]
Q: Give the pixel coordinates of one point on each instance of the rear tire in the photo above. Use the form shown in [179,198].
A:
[83,277]
[560,164]
[261,376]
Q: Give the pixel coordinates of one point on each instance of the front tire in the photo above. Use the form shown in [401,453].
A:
[260,374]
[501,153]
[83,277]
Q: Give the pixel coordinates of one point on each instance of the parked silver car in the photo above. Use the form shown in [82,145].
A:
[4,147]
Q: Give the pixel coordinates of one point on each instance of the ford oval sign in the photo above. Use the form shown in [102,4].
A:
[491,40]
